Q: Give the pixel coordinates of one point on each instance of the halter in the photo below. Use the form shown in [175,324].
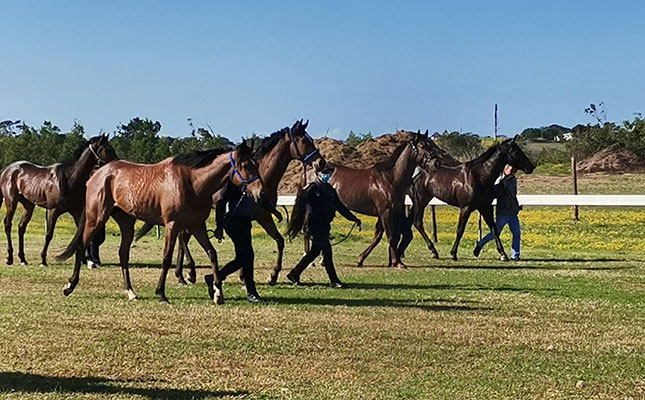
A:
[236,172]
[98,158]
[306,158]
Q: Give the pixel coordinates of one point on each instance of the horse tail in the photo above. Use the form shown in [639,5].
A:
[143,231]
[76,242]
[298,215]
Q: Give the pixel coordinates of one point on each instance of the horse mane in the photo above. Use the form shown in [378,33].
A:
[391,161]
[484,156]
[269,143]
[76,154]
[199,158]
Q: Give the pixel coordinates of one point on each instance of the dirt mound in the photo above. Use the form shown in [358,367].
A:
[364,155]
[612,159]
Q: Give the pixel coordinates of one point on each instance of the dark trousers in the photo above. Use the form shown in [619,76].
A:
[239,230]
[319,244]
[92,252]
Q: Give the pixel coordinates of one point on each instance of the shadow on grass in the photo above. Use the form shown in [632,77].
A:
[317,301]
[31,383]
[403,286]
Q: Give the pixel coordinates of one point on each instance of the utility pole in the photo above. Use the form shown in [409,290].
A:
[495,135]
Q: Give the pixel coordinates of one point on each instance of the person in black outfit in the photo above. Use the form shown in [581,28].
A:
[237,224]
[314,210]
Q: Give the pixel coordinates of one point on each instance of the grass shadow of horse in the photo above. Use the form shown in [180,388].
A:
[33,383]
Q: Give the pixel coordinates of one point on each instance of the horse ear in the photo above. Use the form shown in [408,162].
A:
[515,138]
[305,125]
[426,134]
[296,125]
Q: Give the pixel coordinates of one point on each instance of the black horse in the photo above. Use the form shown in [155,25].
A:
[469,186]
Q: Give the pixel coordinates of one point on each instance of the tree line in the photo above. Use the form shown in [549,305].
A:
[139,140]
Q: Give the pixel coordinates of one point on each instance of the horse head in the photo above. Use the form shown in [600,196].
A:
[515,156]
[244,169]
[101,149]
[302,146]
[423,148]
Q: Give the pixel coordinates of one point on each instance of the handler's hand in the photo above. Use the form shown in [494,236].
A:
[359,224]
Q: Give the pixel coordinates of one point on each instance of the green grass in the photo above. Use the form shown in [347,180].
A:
[566,323]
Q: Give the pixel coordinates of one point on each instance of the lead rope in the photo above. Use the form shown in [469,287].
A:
[346,236]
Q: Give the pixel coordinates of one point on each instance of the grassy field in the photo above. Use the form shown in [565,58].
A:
[567,322]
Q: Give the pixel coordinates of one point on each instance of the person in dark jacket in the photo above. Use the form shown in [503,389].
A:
[313,213]
[507,212]
[237,224]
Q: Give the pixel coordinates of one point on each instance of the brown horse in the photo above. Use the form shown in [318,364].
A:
[380,190]
[59,188]
[273,155]
[176,192]
[469,186]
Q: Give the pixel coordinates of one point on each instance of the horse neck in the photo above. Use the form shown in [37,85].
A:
[491,168]
[404,167]
[273,166]
[80,171]
[209,179]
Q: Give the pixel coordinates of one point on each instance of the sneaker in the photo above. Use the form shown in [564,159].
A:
[515,258]
[254,298]
[477,250]
[293,278]
[337,285]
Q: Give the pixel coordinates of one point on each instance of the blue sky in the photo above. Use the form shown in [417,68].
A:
[256,66]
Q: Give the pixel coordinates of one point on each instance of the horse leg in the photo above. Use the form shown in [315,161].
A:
[378,235]
[487,214]
[10,210]
[52,218]
[266,221]
[22,228]
[171,238]
[179,270]
[126,226]
[418,213]
[201,235]
[464,214]
[192,273]
[97,212]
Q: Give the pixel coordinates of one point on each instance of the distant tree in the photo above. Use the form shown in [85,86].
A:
[599,112]
[354,139]
[461,146]
[139,141]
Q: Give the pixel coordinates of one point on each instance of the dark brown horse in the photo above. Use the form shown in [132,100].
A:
[59,188]
[176,192]
[380,191]
[469,186]
[273,155]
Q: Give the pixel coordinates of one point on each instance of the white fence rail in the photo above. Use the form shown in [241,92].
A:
[545,200]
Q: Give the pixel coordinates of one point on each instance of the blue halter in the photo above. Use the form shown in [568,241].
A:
[306,158]
[236,172]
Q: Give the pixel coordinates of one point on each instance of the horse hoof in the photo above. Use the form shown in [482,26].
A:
[402,266]
[68,289]
[181,282]
[24,263]
[43,265]
[503,257]
[131,294]
[192,279]
[163,300]
[219,300]
[273,281]
[91,265]
[454,257]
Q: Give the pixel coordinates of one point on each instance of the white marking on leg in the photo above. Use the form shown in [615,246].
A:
[90,264]
[69,285]
[131,294]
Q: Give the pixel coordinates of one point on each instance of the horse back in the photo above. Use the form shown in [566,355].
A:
[40,185]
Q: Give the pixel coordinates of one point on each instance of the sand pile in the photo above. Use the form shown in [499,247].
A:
[612,159]
[364,155]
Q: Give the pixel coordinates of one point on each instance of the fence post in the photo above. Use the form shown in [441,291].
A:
[434,224]
[574,171]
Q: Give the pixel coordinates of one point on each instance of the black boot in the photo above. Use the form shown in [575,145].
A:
[254,298]
[295,279]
